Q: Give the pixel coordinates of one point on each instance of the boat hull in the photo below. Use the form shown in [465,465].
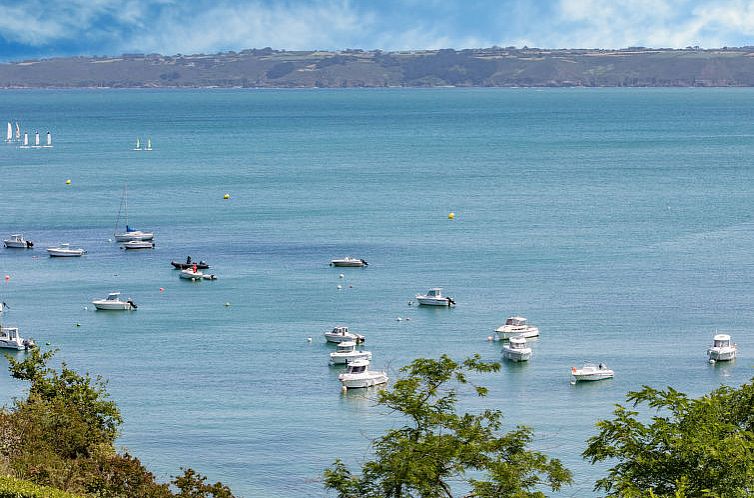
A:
[129,236]
[359,381]
[190,275]
[338,338]
[138,244]
[516,354]
[345,358]
[506,332]
[722,355]
[66,253]
[15,244]
[186,266]
[112,306]
[348,264]
[432,301]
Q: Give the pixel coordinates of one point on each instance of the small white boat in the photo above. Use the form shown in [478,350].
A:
[359,375]
[191,274]
[590,371]
[341,334]
[138,144]
[516,326]
[65,250]
[516,349]
[130,233]
[138,244]
[434,297]
[11,339]
[17,241]
[722,349]
[114,302]
[347,353]
[349,262]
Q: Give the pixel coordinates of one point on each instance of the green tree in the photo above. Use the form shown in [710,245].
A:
[439,446]
[689,447]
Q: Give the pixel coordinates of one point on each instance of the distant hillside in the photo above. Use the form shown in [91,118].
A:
[496,67]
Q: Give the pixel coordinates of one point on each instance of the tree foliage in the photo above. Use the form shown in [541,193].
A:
[63,436]
[689,447]
[439,447]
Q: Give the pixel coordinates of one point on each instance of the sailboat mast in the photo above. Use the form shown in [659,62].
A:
[123,202]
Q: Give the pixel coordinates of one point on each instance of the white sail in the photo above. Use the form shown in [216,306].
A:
[49,139]
[26,141]
[149,144]
[138,144]
[36,139]
[18,132]
[9,137]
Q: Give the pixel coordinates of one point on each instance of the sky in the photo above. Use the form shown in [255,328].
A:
[38,29]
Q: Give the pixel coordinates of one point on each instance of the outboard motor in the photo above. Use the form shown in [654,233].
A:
[364,262]
[133,304]
[29,244]
[451,302]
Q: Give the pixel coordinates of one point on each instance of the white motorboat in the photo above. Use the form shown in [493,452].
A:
[516,349]
[130,233]
[590,371]
[17,241]
[434,297]
[341,334]
[114,302]
[516,326]
[11,339]
[722,349]
[191,274]
[349,262]
[138,244]
[359,375]
[65,250]
[347,353]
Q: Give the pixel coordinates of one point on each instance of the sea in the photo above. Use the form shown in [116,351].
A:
[617,220]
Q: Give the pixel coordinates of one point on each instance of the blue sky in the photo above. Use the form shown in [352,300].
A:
[36,28]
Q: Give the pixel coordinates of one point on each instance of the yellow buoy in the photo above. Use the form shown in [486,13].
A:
[451,215]
[68,182]
[226,196]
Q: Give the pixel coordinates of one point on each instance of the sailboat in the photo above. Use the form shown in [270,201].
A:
[36,140]
[18,131]
[138,144]
[130,233]
[9,137]
[48,145]
[149,144]
[26,141]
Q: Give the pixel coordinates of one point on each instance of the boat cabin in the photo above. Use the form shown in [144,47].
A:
[9,334]
[436,292]
[358,366]
[721,341]
[16,237]
[517,321]
[517,343]
[340,330]
[113,296]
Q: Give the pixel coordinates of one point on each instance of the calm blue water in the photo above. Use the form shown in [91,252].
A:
[618,220]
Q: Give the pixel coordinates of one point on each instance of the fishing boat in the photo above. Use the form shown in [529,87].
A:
[516,349]
[11,339]
[65,250]
[138,244]
[349,262]
[130,233]
[591,372]
[722,349]
[138,144]
[201,265]
[114,302]
[347,353]
[516,326]
[434,297]
[341,334]
[17,241]
[359,376]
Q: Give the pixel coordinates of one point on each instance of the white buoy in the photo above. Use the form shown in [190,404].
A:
[490,338]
